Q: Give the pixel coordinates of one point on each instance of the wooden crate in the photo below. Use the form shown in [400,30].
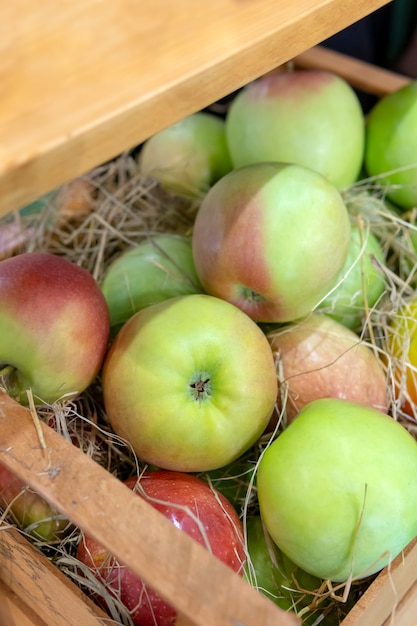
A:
[204,591]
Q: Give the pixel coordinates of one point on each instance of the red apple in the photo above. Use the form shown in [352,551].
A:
[271,238]
[54,325]
[309,117]
[29,510]
[194,508]
[320,358]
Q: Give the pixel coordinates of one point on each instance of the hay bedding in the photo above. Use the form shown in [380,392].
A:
[91,221]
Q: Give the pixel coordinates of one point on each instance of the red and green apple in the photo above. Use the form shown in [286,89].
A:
[54,324]
[309,117]
[271,238]
[320,358]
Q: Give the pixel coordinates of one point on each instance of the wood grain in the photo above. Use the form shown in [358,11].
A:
[35,592]
[392,597]
[202,588]
[364,76]
[80,82]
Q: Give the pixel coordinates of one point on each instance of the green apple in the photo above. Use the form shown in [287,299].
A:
[361,282]
[29,510]
[158,268]
[190,383]
[321,358]
[309,117]
[186,158]
[270,571]
[338,489]
[54,324]
[391,144]
[272,239]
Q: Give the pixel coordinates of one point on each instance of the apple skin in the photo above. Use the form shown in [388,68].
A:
[271,238]
[187,157]
[321,358]
[309,117]
[54,324]
[270,571]
[391,144]
[338,489]
[29,510]
[361,282]
[158,268]
[155,365]
[180,498]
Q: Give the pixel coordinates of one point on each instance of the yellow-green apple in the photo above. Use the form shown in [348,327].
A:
[29,510]
[391,144]
[361,282]
[187,157]
[158,268]
[309,117]
[54,324]
[190,383]
[320,358]
[194,508]
[337,489]
[271,238]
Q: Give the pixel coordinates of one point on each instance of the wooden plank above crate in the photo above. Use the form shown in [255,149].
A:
[84,81]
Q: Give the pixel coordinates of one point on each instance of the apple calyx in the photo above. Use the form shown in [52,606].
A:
[201,387]
[11,379]
[250,295]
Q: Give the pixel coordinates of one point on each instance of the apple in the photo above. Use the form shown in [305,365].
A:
[271,238]
[400,354]
[194,508]
[190,383]
[309,117]
[391,144]
[321,358]
[29,510]
[270,571]
[158,268]
[361,282]
[337,489]
[54,324]
[187,157]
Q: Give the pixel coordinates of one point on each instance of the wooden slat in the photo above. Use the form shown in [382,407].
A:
[202,588]
[35,592]
[369,78]
[81,82]
[15,612]
[392,597]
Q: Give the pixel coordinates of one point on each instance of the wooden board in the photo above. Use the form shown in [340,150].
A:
[33,591]
[80,82]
